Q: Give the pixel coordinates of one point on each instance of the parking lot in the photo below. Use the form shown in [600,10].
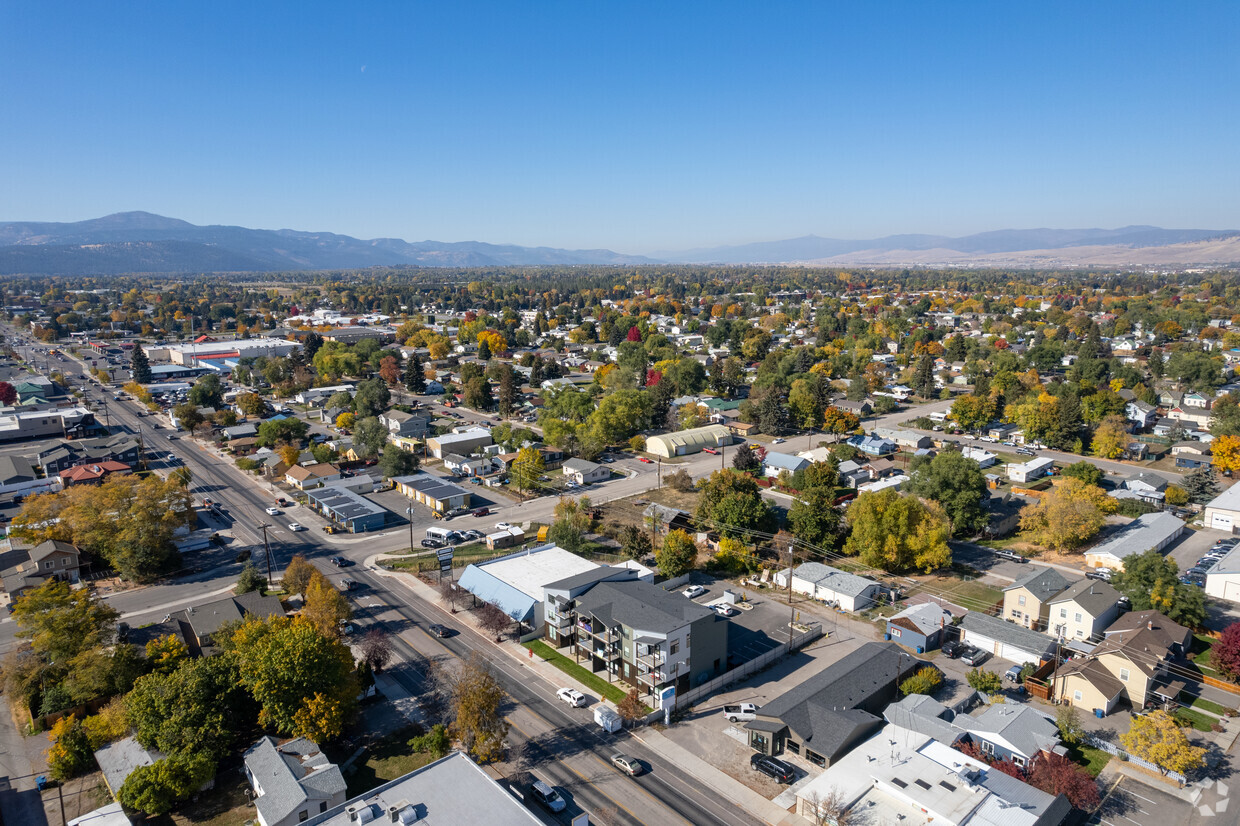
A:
[1192,545]
[754,630]
[1129,803]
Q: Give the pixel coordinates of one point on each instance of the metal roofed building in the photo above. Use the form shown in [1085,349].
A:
[900,774]
[437,493]
[462,442]
[1005,640]
[347,508]
[775,462]
[516,583]
[1150,531]
[1223,580]
[686,442]
[452,790]
[1223,511]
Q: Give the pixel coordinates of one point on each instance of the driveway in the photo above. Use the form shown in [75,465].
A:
[1193,544]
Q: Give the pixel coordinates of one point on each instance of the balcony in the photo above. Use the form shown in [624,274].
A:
[603,635]
[653,658]
[559,621]
[654,678]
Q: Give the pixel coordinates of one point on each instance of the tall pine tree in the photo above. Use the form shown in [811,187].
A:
[415,374]
[141,366]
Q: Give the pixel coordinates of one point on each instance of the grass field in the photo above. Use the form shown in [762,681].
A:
[579,673]
[1094,760]
[976,596]
[1197,720]
[386,760]
[1209,705]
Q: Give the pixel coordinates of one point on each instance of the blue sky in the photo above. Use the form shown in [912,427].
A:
[638,127]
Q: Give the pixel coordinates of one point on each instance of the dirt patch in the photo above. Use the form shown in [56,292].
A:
[628,511]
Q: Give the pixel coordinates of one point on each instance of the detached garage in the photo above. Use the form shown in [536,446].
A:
[1005,640]
[1223,514]
[1223,580]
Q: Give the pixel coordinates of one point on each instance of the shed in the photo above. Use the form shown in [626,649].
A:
[920,627]
[1005,640]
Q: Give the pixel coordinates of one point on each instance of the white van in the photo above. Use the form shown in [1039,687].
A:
[440,535]
[740,711]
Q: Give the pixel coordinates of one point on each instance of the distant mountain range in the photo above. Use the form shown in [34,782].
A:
[142,242]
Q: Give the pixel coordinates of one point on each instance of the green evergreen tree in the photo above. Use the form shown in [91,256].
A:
[415,375]
[140,365]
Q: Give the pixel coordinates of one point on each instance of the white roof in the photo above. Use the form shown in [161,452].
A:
[530,572]
[1228,500]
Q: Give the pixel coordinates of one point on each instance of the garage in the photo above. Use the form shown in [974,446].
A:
[1223,580]
[1223,513]
[1221,521]
[1005,640]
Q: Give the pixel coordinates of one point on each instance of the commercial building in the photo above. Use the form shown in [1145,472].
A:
[1148,532]
[439,494]
[687,442]
[347,509]
[515,583]
[463,442]
[190,354]
[846,591]
[1223,512]
[1223,580]
[453,789]
[66,422]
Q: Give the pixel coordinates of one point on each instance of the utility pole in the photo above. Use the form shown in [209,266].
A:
[659,470]
[267,548]
[791,610]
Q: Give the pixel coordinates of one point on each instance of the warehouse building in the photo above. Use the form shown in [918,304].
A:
[437,493]
[687,442]
[347,509]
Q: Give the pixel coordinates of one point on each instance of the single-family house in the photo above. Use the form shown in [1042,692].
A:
[201,621]
[847,591]
[920,627]
[305,477]
[860,409]
[467,465]
[1142,415]
[1026,601]
[776,463]
[981,455]
[1083,610]
[1132,663]
[24,568]
[586,473]
[905,439]
[1190,455]
[292,781]
[873,445]
[1031,471]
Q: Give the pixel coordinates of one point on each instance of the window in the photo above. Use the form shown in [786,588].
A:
[895,632]
[675,647]
[1020,600]
[1076,617]
[1124,674]
[1063,613]
[1018,760]
[988,747]
[49,564]
[1017,615]
[302,816]
[322,805]
[551,632]
[1076,696]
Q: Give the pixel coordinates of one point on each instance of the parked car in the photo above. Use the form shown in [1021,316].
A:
[737,712]
[1012,675]
[693,591]
[503,526]
[571,696]
[710,450]
[724,610]
[952,649]
[973,656]
[547,796]
[644,459]
[626,764]
[296,526]
[431,543]
[1103,574]
[773,767]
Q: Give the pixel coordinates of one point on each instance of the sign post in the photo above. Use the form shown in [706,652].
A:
[444,555]
[667,701]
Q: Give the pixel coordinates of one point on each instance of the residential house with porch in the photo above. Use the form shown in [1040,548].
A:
[24,567]
[1026,601]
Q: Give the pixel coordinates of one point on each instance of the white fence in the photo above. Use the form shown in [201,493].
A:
[747,669]
[1111,748]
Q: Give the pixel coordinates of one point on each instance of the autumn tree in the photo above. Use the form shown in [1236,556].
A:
[166,653]
[61,622]
[924,681]
[896,533]
[1056,775]
[1226,453]
[987,682]
[70,753]
[1110,439]
[493,620]
[1158,739]
[957,483]
[389,369]
[526,469]
[1068,515]
[251,404]
[733,505]
[325,607]
[631,707]
[676,555]
[477,701]
[634,542]
[1225,654]
[1151,581]
[376,649]
[813,518]
[297,575]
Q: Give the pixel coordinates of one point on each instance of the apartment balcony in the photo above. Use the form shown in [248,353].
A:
[559,621]
[652,659]
[597,632]
[654,678]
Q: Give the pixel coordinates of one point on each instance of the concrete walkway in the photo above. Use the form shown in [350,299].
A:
[710,777]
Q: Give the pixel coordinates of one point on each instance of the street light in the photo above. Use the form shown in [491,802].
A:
[409,511]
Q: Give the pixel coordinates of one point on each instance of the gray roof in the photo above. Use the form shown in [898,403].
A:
[343,503]
[591,577]
[926,617]
[924,715]
[1146,531]
[1026,728]
[433,486]
[451,790]
[1095,597]
[206,619]
[290,774]
[118,760]
[640,606]
[824,710]
[581,466]
[15,469]
[1228,500]
[1007,632]
[1042,582]
[833,578]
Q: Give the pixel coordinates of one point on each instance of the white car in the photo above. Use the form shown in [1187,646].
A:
[777,441]
[273,511]
[572,696]
[503,526]
[724,610]
[693,591]
[296,526]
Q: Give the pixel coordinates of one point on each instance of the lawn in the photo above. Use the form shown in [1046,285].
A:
[224,805]
[1210,706]
[1199,653]
[1195,719]
[386,760]
[428,562]
[971,594]
[579,673]
[1094,760]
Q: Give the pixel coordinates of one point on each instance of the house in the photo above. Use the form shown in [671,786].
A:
[1081,611]
[1150,531]
[1190,455]
[586,473]
[463,442]
[291,781]
[899,774]
[1223,580]
[435,492]
[112,814]
[775,463]
[920,627]
[24,568]
[467,465]
[1026,601]
[981,455]
[859,409]
[347,508]
[650,638]
[826,715]
[852,474]
[17,476]
[1001,430]
[831,585]
[1148,487]
[1142,415]
[315,395]
[453,789]
[305,477]
[403,427]
[1133,663]
[873,445]
[1003,514]
[92,474]
[202,621]
[121,448]
[1223,511]
[906,439]
[666,519]
[1005,640]
[1001,732]
[687,442]
[241,431]
[119,759]
[1030,471]
[739,429]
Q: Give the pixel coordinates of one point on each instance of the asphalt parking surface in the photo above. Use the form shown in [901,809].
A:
[755,631]
[1129,803]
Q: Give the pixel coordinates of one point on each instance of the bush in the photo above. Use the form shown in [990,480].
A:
[925,681]
[248,465]
[435,742]
[680,481]
[987,682]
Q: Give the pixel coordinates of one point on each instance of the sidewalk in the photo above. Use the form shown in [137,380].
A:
[709,776]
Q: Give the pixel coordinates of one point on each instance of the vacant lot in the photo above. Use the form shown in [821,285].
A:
[628,511]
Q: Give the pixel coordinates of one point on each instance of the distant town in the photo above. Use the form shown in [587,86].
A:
[621,545]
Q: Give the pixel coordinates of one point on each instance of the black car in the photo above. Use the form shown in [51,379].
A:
[431,543]
[440,631]
[773,767]
[341,562]
[952,648]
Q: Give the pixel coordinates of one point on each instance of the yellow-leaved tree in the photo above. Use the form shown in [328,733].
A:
[1068,515]
[1157,737]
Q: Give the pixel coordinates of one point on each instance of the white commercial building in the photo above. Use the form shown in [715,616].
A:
[1223,513]
[189,354]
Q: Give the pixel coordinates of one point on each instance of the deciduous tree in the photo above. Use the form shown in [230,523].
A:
[955,482]
[369,434]
[987,682]
[813,518]
[897,533]
[1111,438]
[1225,654]
[676,555]
[157,788]
[325,607]
[1068,515]
[1056,775]
[1151,580]
[477,708]
[526,469]
[61,622]
[1156,738]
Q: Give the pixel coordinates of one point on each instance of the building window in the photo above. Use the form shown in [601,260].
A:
[551,632]
[1020,761]
[1063,613]
[322,806]
[1020,600]
[1017,614]
[1076,696]
[895,632]
[48,564]
[675,646]
[988,747]
[1124,674]
[1076,617]
[792,746]
[302,816]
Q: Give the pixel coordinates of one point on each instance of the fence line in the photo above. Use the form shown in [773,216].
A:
[1111,748]
[748,669]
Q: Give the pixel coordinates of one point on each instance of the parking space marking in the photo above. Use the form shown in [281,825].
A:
[1143,797]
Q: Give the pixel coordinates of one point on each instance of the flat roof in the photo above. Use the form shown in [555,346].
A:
[344,503]
[530,571]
